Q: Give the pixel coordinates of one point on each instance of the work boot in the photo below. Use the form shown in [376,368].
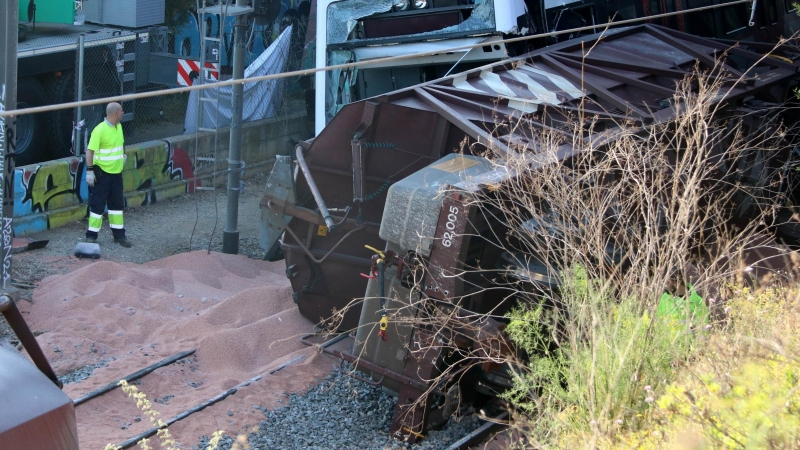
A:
[91,240]
[123,241]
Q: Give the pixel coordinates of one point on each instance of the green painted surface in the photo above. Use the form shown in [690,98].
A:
[145,168]
[49,11]
[52,187]
[135,199]
[65,216]
[171,191]
[158,193]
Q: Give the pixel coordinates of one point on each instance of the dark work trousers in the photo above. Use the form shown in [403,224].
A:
[107,190]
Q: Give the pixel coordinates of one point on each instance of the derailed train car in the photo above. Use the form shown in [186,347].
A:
[375,177]
[36,413]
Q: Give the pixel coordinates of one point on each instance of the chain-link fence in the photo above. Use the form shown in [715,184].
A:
[131,63]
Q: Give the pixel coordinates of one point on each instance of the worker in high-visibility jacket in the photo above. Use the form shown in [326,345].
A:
[105,157]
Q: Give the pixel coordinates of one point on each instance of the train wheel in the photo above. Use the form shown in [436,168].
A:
[61,90]
[100,82]
[31,128]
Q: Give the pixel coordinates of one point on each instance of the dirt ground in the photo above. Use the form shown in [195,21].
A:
[158,230]
[167,294]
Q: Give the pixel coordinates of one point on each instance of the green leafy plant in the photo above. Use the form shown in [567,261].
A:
[610,369]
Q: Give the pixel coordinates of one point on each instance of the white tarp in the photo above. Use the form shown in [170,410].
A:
[548,4]
[261,99]
[506,13]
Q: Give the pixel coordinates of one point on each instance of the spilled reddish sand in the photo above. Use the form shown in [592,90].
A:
[236,312]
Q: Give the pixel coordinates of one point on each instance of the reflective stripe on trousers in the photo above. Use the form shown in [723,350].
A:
[107,191]
[95,222]
[115,219]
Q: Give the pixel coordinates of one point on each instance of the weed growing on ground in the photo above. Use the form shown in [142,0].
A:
[743,390]
[740,390]
[604,379]
[163,433]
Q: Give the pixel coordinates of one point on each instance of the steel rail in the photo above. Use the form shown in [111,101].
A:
[478,435]
[216,399]
[129,97]
[344,356]
[134,376]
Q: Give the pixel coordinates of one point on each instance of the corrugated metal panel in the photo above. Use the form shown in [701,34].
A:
[125,13]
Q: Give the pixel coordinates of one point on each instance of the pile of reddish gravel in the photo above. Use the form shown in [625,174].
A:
[235,311]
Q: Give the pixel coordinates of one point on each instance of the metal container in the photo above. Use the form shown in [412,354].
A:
[125,13]
[34,413]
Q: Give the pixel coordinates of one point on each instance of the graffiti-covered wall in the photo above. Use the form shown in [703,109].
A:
[53,186]
[55,193]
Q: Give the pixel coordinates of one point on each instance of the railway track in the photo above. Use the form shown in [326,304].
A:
[488,427]
[166,362]
[93,403]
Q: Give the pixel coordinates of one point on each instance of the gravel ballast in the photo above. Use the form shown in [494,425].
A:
[341,413]
[82,373]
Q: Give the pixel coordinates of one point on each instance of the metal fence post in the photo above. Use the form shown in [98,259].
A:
[79,113]
[8,101]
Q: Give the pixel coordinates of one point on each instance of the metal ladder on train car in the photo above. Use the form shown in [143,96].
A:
[126,71]
[211,49]
[210,52]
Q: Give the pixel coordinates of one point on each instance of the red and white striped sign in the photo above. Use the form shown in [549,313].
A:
[187,66]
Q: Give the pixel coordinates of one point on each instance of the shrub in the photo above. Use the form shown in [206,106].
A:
[744,389]
[634,225]
[604,378]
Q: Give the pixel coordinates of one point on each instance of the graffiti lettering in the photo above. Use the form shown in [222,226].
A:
[155,167]
[180,168]
[12,143]
[2,137]
[7,237]
[8,185]
[53,185]
[204,162]
[7,167]
[7,240]
[6,134]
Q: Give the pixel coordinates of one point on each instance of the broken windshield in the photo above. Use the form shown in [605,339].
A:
[343,18]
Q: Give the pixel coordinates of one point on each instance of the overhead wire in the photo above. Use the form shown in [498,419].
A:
[365,63]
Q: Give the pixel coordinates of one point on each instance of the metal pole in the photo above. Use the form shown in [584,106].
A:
[323,209]
[79,114]
[230,236]
[8,101]
[201,76]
